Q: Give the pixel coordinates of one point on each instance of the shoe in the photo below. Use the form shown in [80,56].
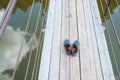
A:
[75,48]
[67,46]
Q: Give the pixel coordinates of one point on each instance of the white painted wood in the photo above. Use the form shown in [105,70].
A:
[74,61]
[93,54]
[93,61]
[64,61]
[56,44]
[103,51]
[84,49]
[45,58]
[90,48]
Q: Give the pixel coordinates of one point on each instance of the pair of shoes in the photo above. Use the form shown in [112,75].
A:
[71,50]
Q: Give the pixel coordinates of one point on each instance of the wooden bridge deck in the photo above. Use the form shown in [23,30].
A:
[75,20]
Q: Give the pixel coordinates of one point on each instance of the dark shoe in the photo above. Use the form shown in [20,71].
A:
[67,46]
[75,48]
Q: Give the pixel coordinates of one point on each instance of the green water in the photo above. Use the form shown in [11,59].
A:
[13,36]
[116,18]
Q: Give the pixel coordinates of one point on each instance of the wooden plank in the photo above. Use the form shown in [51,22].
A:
[90,47]
[74,61]
[94,58]
[64,61]
[56,44]
[93,53]
[84,50]
[103,51]
[45,58]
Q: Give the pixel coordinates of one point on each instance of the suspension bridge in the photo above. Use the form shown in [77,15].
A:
[74,20]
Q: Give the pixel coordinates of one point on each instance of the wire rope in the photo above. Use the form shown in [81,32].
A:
[19,54]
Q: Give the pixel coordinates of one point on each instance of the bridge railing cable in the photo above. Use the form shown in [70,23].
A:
[33,41]
[22,43]
[6,16]
[36,53]
[41,38]
[37,56]
[40,42]
[106,10]
[113,24]
[108,32]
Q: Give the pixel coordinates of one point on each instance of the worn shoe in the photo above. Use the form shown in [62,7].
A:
[75,48]
[67,46]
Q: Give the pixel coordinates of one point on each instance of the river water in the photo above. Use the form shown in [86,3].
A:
[13,36]
[115,12]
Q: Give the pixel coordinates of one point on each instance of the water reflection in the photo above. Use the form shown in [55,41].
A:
[11,41]
[19,4]
[9,46]
[116,18]
[112,6]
